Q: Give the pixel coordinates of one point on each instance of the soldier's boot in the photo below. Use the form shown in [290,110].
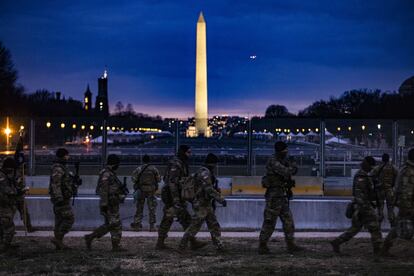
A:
[116,247]
[336,246]
[152,228]
[292,247]
[182,247]
[263,249]
[385,250]
[161,243]
[88,241]
[195,244]
[136,226]
[57,241]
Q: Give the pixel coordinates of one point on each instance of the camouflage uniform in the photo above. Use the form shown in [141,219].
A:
[364,213]
[61,191]
[174,206]
[278,174]
[146,179]
[203,209]
[386,175]
[111,195]
[405,200]
[8,195]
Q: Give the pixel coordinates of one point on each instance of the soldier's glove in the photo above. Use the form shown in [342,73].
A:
[224,203]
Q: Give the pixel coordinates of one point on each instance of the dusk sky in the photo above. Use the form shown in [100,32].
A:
[306,50]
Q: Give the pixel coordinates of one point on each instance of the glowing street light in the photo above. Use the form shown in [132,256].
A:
[62,125]
[74,126]
[379,126]
[22,127]
[82,126]
[363,127]
[48,124]
[91,127]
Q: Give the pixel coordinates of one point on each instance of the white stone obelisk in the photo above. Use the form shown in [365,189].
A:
[201,99]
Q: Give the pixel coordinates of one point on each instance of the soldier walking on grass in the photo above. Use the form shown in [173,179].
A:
[112,194]
[278,183]
[8,197]
[363,209]
[204,194]
[403,227]
[61,191]
[385,175]
[174,205]
[145,179]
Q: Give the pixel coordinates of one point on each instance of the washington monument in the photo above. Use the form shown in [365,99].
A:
[201,99]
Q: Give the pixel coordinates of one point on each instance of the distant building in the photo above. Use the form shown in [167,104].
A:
[87,100]
[101,104]
[407,87]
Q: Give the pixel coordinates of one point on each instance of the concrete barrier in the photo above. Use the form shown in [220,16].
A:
[251,185]
[240,214]
[39,184]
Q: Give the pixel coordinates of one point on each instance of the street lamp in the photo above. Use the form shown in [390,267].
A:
[48,124]
[379,126]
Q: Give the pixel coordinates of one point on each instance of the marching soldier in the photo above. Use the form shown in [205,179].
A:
[385,174]
[174,206]
[111,193]
[363,214]
[145,179]
[202,204]
[405,203]
[8,196]
[278,183]
[61,191]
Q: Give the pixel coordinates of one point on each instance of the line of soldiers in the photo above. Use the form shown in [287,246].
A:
[372,185]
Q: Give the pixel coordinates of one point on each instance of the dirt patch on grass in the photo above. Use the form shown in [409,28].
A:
[37,256]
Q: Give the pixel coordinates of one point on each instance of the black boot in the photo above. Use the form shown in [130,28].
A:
[263,249]
[336,246]
[116,247]
[292,247]
[195,245]
[161,243]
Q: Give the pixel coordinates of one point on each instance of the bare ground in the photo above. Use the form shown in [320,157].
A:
[37,256]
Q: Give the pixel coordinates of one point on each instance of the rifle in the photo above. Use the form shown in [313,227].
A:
[76,182]
[216,187]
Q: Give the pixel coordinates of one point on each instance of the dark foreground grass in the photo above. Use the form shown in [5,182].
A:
[37,256]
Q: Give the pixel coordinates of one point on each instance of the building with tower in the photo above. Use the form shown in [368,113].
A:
[101,104]
[87,100]
[201,127]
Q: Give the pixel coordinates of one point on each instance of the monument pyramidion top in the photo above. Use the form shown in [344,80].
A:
[201,18]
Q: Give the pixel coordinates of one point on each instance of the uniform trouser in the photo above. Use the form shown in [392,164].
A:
[392,235]
[111,225]
[363,218]
[152,206]
[170,212]
[7,223]
[386,195]
[277,207]
[201,214]
[64,219]
[24,212]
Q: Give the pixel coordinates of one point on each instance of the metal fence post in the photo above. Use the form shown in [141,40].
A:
[322,149]
[177,136]
[32,148]
[249,148]
[104,143]
[395,142]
